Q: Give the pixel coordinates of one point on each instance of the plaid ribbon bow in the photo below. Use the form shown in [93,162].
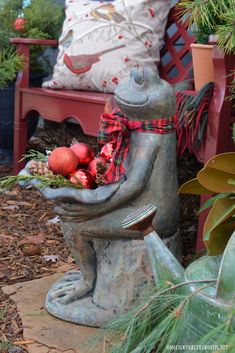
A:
[116,128]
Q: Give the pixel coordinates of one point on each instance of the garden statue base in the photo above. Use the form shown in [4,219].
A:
[123,274]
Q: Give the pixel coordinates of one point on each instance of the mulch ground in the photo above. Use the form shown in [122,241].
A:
[31,242]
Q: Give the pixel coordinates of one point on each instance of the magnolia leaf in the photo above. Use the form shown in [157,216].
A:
[221,210]
[216,180]
[224,162]
[220,215]
[218,173]
[210,201]
[219,238]
[193,187]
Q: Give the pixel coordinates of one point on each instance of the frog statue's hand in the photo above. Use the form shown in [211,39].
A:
[84,196]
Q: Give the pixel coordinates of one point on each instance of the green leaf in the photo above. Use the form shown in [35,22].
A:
[219,238]
[193,187]
[219,225]
[210,202]
[217,172]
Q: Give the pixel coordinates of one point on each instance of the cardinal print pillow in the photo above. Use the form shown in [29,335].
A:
[102,41]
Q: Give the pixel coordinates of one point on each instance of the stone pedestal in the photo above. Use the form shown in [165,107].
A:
[124,273]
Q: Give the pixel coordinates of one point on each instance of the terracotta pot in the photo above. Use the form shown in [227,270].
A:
[202,64]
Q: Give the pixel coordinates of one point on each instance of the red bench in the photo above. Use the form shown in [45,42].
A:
[86,107]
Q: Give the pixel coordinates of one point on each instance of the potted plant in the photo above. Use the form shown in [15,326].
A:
[212,22]
[42,19]
[36,19]
[10,64]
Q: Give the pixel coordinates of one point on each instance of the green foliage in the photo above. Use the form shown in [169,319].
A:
[211,17]
[5,346]
[43,20]
[36,155]
[49,180]
[54,181]
[10,64]
[226,31]
[9,11]
[157,322]
[3,312]
[222,334]
[217,177]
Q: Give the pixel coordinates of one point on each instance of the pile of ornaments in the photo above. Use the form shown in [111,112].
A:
[77,163]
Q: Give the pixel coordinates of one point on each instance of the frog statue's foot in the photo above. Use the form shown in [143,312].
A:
[70,288]
[71,299]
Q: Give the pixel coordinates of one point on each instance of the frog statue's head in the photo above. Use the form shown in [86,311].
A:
[145,96]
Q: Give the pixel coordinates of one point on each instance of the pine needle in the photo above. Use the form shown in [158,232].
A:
[35,155]
[156,322]
[223,334]
[54,181]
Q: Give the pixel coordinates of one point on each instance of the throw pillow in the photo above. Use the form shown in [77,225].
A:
[102,41]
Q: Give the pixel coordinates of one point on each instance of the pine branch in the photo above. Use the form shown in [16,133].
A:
[55,181]
[206,16]
[35,155]
[157,320]
[226,32]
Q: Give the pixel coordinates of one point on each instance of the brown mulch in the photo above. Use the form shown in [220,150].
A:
[25,215]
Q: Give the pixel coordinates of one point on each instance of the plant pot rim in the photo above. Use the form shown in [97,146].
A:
[201,46]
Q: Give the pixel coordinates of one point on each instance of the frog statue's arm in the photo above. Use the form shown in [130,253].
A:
[139,173]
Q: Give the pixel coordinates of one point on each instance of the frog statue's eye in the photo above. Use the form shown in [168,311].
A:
[138,75]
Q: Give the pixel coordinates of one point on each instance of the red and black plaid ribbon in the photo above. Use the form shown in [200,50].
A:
[116,128]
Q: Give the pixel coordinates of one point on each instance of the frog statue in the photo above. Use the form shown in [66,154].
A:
[114,265]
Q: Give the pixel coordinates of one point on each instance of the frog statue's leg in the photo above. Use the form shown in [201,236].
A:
[81,240]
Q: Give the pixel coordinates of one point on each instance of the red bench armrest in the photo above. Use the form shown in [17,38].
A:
[32,41]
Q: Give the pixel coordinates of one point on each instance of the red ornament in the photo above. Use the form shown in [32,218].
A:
[19,24]
[84,152]
[107,151]
[84,177]
[62,161]
[92,166]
